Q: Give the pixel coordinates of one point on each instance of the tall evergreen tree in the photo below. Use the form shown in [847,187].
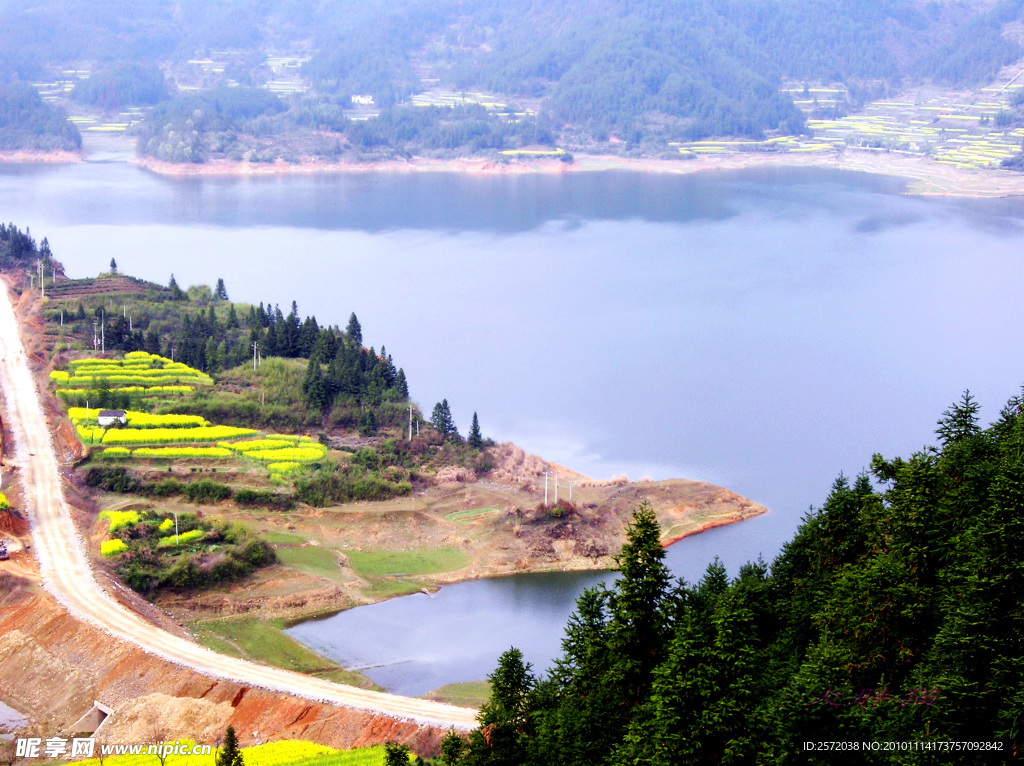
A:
[221,292]
[441,419]
[354,330]
[229,753]
[476,439]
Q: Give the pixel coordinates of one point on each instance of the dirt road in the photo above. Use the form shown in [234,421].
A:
[68,576]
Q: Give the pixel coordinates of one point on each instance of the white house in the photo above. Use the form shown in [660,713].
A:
[108,418]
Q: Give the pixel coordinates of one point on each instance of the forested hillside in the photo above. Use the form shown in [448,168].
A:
[894,615]
[649,71]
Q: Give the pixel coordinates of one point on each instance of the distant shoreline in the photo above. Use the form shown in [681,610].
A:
[924,176]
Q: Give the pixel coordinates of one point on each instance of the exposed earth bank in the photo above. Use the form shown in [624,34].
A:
[54,666]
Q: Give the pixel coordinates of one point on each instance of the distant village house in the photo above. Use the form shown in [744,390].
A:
[108,418]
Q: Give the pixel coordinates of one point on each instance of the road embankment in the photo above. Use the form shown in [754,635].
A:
[68,577]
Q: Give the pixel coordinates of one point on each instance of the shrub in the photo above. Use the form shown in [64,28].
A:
[206,491]
[4,502]
[255,498]
[111,479]
[165,488]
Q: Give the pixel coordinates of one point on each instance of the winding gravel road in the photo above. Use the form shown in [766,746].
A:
[68,576]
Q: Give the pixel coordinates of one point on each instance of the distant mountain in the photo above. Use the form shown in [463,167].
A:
[640,70]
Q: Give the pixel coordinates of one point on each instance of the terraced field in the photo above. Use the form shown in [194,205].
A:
[953,128]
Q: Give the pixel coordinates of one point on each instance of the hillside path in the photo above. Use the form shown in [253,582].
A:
[67,574]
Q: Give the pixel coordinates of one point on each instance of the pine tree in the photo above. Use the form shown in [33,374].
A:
[113,266]
[221,293]
[476,439]
[354,330]
[441,419]
[230,754]
[401,385]
[176,292]
[959,421]
[396,754]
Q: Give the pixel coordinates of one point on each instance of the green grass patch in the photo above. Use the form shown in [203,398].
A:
[398,563]
[283,538]
[468,694]
[312,560]
[462,516]
[263,641]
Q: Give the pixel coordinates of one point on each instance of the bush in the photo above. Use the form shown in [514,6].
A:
[206,491]
[251,498]
[111,479]
[165,488]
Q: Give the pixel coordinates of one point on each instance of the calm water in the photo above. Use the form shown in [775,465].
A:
[764,329]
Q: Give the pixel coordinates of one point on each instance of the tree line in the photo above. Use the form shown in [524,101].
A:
[894,614]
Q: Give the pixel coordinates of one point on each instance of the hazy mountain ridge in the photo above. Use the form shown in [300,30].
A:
[645,72]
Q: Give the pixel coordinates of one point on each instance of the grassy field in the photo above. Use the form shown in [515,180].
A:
[470,515]
[263,641]
[283,538]
[312,560]
[381,563]
[468,694]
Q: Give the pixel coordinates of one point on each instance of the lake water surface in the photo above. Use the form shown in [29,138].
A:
[762,329]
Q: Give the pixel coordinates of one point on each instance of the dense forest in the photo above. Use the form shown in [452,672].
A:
[643,72]
[27,122]
[894,615]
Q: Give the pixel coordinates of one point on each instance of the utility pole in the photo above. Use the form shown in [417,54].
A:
[103,332]
[546,473]
[95,338]
[42,281]
[255,345]
[410,422]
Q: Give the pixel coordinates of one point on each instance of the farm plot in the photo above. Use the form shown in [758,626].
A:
[951,127]
[137,369]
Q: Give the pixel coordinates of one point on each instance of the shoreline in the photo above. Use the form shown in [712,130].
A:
[28,156]
[922,175]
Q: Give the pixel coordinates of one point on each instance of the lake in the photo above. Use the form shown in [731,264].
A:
[763,329]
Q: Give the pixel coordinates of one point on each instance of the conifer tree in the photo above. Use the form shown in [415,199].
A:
[476,439]
[230,754]
[113,265]
[396,754]
[221,292]
[354,330]
[441,419]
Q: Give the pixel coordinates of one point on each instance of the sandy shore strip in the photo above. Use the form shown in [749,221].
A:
[33,155]
[924,176]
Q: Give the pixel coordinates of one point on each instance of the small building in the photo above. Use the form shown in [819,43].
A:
[108,418]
